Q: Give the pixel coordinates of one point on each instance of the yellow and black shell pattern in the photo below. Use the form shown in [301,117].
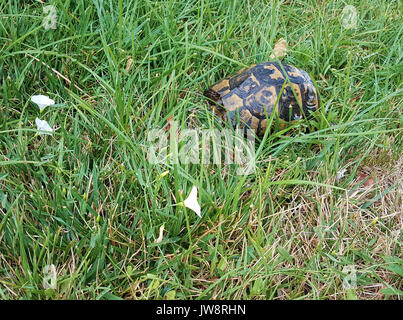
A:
[252,93]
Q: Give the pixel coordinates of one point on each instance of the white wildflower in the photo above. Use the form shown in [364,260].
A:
[42,101]
[161,234]
[349,17]
[191,202]
[340,174]
[43,126]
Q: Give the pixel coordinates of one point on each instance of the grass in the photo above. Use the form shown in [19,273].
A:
[86,200]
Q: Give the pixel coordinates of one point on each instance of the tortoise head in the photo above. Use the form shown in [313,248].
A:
[311,98]
[299,92]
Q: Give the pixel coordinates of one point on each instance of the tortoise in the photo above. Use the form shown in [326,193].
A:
[253,93]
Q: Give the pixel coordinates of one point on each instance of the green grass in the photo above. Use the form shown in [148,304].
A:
[86,199]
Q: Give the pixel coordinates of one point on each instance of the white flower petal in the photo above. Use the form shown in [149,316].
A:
[43,126]
[50,278]
[340,174]
[191,202]
[161,234]
[349,17]
[42,101]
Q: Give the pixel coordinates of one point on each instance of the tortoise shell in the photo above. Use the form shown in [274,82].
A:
[254,92]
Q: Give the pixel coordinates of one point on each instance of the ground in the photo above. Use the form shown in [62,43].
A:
[81,208]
